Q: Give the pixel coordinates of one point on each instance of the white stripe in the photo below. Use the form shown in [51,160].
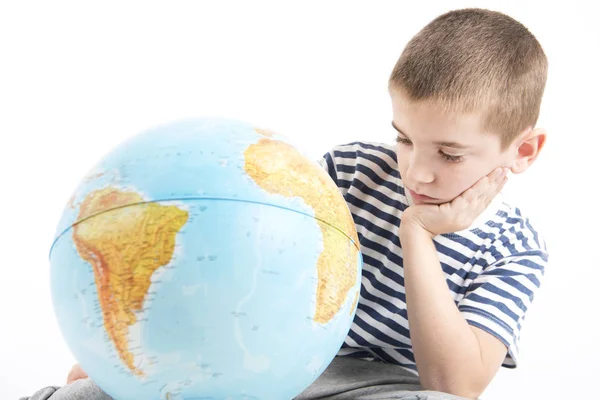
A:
[369,182]
[398,357]
[498,281]
[490,309]
[493,297]
[386,330]
[384,280]
[374,219]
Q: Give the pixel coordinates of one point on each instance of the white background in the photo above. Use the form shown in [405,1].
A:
[77,78]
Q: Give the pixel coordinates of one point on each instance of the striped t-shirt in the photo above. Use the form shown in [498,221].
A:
[492,269]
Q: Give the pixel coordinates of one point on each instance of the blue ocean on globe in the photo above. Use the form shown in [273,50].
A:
[205,259]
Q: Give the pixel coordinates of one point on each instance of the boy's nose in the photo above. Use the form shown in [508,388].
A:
[419,173]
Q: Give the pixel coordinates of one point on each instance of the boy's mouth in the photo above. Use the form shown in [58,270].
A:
[421,197]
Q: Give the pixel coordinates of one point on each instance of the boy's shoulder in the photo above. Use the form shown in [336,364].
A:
[516,232]
[372,158]
[363,150]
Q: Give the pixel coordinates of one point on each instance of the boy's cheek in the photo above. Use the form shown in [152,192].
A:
[458,184]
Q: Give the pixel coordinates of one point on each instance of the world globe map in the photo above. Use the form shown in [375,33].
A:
[205,259]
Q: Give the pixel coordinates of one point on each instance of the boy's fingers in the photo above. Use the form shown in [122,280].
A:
[75,374]
[483,185]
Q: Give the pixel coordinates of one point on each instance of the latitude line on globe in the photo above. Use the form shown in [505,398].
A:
[197,198]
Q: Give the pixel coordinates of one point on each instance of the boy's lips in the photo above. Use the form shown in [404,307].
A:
[421,197]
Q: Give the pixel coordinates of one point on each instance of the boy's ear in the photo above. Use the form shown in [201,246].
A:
[528,147]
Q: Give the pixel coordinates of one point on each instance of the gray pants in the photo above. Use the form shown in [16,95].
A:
[344,379]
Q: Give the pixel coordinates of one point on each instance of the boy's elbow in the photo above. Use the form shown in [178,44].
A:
[466,393]
[468,390]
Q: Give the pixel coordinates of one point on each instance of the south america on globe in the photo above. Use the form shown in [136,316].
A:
[205,259]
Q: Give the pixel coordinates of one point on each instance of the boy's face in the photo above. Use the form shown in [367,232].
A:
[441,155]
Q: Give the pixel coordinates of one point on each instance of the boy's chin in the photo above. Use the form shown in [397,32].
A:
[434,202]
[430,202]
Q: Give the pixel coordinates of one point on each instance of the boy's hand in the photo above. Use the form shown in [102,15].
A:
[76,373]
[459,213]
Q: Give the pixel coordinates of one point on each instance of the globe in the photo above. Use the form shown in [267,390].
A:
[205,259]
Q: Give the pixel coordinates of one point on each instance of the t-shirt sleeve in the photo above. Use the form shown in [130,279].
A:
[497,300]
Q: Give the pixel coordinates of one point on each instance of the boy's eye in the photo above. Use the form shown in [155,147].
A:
[447,157]
[451,158]
[402,140]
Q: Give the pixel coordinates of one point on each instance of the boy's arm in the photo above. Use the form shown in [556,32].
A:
[451,355]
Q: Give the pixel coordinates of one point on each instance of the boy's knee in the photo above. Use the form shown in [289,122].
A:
[82,389]
[42,394]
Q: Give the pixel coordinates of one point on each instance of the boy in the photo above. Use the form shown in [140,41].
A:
[442,253]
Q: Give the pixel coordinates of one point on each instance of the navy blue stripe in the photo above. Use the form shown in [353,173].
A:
[507,242]
[487,315]
[455,255]
[526,262]
[500,225]
[378,180]
[375,263]
[524,240]
[330,166]
[354,155]
[507,272]
[358,354]
[342,183]
[383,354]
[464,274]
[355,201]
[384,289]
[381,287]
[391,308]
[346,169]
[519,286]
[457,289]
[500,306]
[464,242]
[502,293]
[381,232]
[359,340]
[516,221]
[361,146]
[377,334]
[497,253]
[536,238]
[481,234]
[382,235]
[365,189]
[386,271]
[448,269]
[389,153]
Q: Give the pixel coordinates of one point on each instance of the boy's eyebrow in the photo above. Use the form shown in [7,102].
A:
[442,144]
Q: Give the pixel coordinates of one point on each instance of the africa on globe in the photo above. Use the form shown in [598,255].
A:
[205,259]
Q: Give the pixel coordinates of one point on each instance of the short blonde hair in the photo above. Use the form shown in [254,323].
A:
[476,60]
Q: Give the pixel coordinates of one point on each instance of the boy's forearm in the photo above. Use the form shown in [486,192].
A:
[446,348]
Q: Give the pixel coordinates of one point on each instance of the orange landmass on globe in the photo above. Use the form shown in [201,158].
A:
[125,240]
[355,302]
[264,132]
[279,168]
